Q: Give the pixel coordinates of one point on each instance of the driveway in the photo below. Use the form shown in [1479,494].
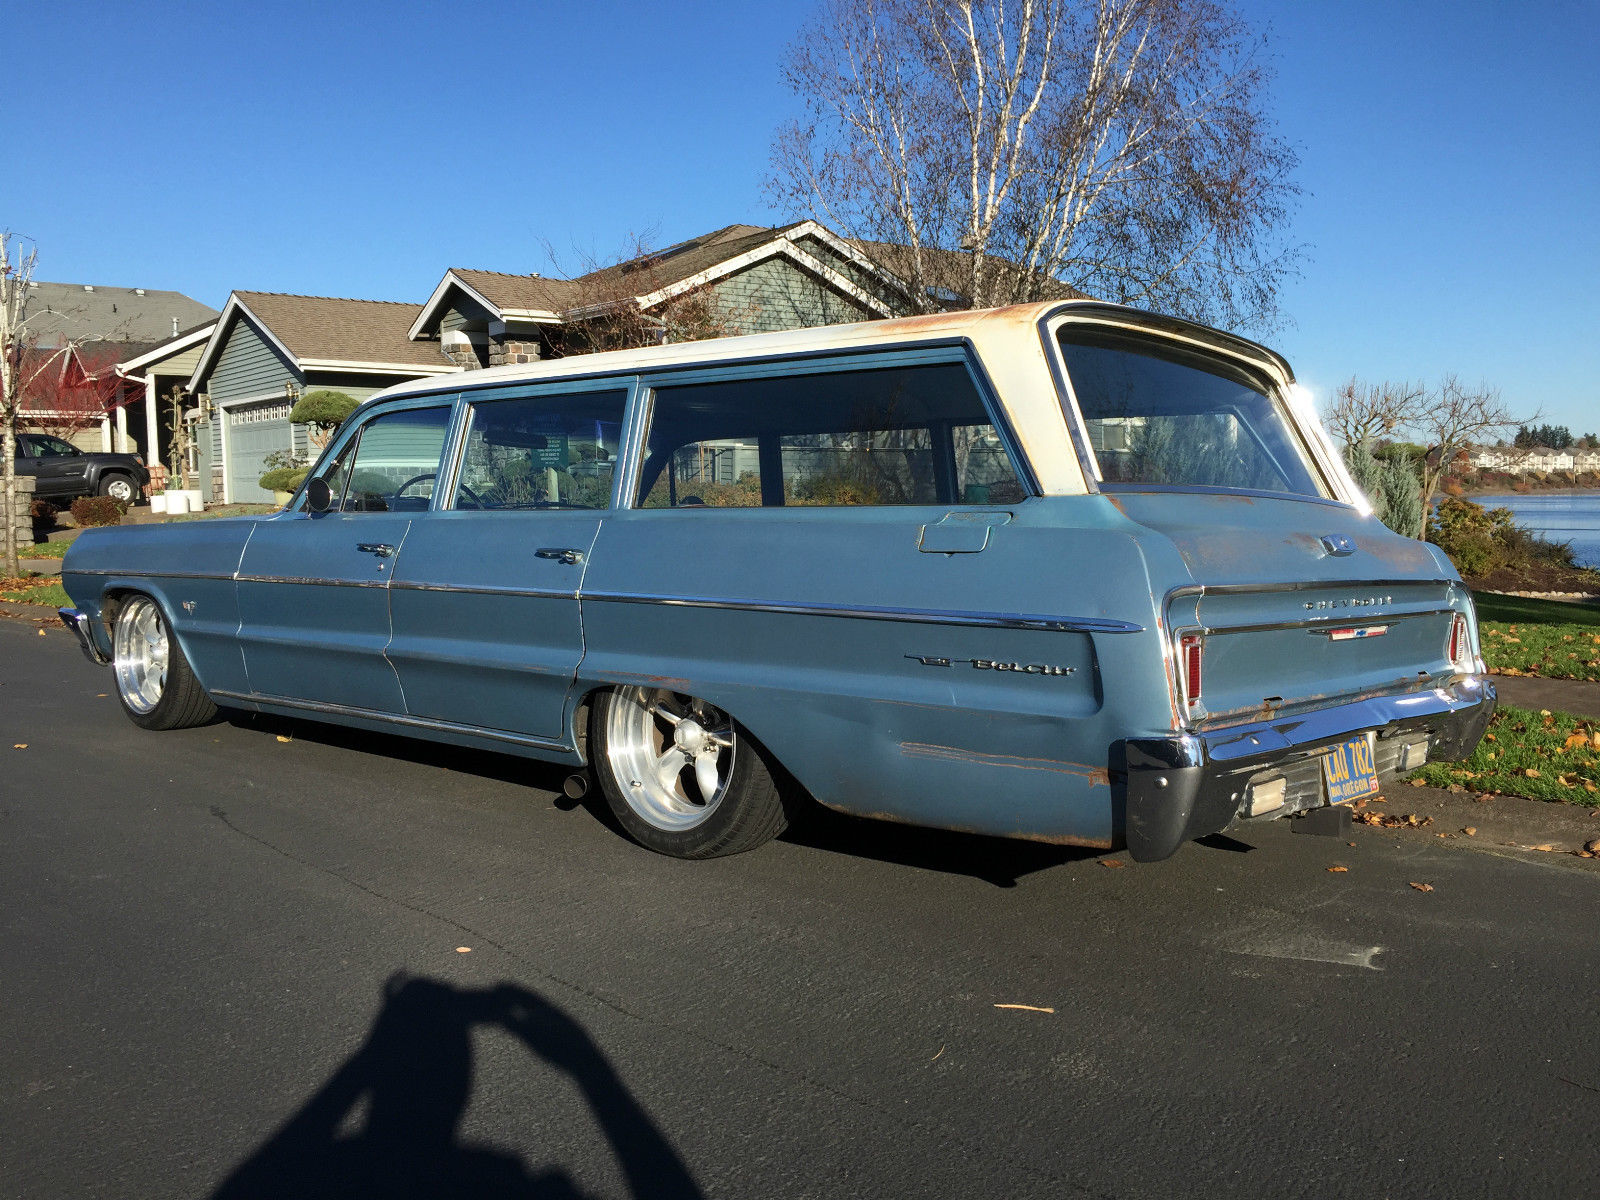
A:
[265,959]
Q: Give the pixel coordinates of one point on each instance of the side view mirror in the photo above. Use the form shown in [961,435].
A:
[319,496]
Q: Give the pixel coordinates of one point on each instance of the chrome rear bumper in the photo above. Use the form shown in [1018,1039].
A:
[83,626]
[1192,784]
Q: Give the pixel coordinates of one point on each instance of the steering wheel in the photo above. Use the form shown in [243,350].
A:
[464,489]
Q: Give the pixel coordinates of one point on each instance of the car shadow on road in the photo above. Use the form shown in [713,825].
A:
[386,1123]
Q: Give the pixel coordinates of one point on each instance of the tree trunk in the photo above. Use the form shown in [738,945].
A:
[8,449]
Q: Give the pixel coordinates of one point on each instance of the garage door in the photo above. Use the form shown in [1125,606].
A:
[255,431]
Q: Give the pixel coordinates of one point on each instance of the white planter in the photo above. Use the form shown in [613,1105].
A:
[177,502]
[196,504]
[158,502]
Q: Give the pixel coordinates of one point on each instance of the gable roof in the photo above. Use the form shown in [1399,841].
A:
[328,333]
[59,312]
[178,343]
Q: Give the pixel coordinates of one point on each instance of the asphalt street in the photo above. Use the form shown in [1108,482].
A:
[273,959]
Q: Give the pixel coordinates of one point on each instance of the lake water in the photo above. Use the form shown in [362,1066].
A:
[1572,518]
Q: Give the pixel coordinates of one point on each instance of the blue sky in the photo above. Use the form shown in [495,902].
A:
[1450,158]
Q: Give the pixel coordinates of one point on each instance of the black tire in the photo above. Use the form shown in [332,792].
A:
[749,810]
[119,487]
[152,699]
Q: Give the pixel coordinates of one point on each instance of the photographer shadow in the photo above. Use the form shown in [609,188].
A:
[412,1080]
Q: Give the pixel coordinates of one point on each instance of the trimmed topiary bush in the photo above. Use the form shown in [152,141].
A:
[323,408]
[284,479]
[98,510]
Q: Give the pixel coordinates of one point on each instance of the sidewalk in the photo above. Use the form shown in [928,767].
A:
[1575,696]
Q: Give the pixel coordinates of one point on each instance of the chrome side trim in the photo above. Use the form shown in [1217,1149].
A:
[80,624]
[484,590]
[314,581]
[95,571]
[1231,589]
[869,612]
[370,714]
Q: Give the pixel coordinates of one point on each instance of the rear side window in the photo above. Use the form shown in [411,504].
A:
[896,435]
[1158,415]
[544,451]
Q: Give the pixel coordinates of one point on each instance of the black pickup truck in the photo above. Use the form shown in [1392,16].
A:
[64,472]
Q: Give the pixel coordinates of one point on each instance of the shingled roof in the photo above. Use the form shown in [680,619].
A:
[528,293]
[663,268]
[328,327]
[59,312]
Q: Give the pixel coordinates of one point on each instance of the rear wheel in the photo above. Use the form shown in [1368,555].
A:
[154,682]
[119,487]
[680,776]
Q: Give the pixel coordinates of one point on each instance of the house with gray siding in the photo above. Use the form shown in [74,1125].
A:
[266,351]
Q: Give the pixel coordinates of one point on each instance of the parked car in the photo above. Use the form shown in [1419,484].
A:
[65,472]
[1065,571]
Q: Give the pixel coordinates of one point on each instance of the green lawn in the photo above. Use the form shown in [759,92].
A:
[1539,637]
[35,589]
[1542,755]
[45,550]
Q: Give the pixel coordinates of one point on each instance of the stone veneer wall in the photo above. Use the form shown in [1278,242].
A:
[22,517]
[514,350]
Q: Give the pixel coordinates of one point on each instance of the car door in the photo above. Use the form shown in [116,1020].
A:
[57,465]
[314,587]
[484,595]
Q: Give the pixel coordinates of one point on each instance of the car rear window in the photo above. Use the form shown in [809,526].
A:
[1158,415]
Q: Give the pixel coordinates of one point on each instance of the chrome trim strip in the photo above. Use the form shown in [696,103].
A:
[1231,589]
[870,612]
[151,574]
[369,714]
[1322,625]
[402,585]
[311,580]
[80,624]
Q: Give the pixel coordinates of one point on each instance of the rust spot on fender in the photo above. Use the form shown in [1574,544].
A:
[1095,775]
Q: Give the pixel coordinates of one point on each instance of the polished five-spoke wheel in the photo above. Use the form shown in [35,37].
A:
[154,682]
[679,775]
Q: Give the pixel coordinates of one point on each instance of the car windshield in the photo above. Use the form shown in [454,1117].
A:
[1163,416]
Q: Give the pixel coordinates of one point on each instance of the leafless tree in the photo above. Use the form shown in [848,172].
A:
[21,367]
[1361,412]
[1453,418]
[1119,147]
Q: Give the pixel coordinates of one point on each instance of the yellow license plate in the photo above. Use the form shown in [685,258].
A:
[1350,771]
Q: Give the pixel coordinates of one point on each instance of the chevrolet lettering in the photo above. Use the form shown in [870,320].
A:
[706,578]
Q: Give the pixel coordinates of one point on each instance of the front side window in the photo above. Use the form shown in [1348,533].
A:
[1164,416]
[46,446]
[890,436]
[548,451]
[392,463]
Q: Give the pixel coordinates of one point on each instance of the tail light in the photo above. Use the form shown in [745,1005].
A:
[1459,649]
[1191,655]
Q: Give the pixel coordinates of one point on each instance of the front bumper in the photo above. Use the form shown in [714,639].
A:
[1192,784]
[83,626]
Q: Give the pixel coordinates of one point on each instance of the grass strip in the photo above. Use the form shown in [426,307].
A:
[45,550]
[35,589]
[1519,610]
[1541,755]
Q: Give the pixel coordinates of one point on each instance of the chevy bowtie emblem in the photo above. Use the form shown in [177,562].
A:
[1351,634]
[1338,545]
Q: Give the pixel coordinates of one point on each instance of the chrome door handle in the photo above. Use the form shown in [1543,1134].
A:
[567,557]
[381,549]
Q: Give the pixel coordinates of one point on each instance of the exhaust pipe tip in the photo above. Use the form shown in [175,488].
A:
[575,786]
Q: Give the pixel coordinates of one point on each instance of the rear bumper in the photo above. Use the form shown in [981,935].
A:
[1190,785]
[83,626]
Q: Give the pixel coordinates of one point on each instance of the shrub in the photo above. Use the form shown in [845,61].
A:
[42,510]
[323,408]
[98,510]
[284,479]
[1480,540]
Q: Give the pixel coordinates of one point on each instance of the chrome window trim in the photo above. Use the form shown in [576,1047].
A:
[372,714]
[869,612]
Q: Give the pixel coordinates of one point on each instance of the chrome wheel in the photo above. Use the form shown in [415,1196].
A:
[140,650]
[672,755]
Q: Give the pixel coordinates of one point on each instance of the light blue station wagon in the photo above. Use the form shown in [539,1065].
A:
[1066,571]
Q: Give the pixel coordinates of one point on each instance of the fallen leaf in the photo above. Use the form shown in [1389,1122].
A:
[1544,847]
[1471,831]
[936,1057]
[100,695]
[41,633]
[20,746]
[1339,870]
[1593,847]
[1576,741]
[1026,1007]
[1111,862]
[1531,772]
[281,738]
[463,949]
[1423,887]
[1349,843]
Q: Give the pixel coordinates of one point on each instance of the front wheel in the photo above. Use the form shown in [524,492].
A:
[120,487]
[681,777]
[154,682]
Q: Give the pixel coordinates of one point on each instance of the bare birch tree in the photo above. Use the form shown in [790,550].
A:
[1453,418]
[20,368]
[1119,147]
[1363,413]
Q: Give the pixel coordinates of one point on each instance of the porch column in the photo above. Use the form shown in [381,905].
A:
[122,428]
[150,426]
[105,435]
